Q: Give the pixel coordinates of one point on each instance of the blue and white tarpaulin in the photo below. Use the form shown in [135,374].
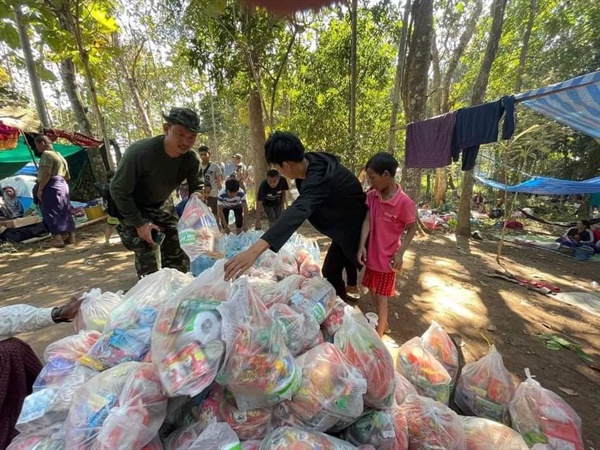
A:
[547,186]
[575,103]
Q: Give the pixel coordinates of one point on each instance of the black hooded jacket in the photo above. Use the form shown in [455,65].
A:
[332,200]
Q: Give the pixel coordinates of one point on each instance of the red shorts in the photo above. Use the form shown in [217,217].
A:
[381,283]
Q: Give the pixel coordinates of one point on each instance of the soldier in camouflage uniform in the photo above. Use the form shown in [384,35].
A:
[148,173]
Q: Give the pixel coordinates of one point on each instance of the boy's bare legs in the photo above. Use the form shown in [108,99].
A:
[108,233]
[382,312]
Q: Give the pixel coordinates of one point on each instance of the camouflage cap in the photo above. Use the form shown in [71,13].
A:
[184,117]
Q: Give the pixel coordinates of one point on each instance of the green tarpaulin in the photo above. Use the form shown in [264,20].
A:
[12,160]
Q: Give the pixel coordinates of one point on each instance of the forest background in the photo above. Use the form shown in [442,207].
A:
[347,79]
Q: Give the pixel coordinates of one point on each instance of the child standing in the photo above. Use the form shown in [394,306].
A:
[233,198]
[391,212]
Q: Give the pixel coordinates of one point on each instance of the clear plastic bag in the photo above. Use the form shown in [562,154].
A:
[485,388]
[50,438]
[309,268]
[543,417]
[439,344]
[286,438]
[251,424]
[198,229]
[316,296]
[259,369]
[432,425]
[485,434]
[201,436]
[285,265]
[384,430]
[363,348]
[61,357]
[291,324]
[404,388]
[122,407]
[95,309]
[251,445]
[50,405]
[128,331]
[424,371]
[331,390]
[271,292]
[187,345]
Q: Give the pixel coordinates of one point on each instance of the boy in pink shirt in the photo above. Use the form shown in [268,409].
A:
[391,212]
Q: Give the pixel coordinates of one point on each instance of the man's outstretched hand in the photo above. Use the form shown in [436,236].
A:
[236,266]
[69,310]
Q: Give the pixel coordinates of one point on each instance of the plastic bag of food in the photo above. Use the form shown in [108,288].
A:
[543,417]
[187,345]
[251,445]
[334,320]
[128,331]
[363,348]
[271,292]
[122,407]
[266,261]
[95,309]
[331,390]
[259,369]
[404,388]
[250,424]
[484,434]
[377,428]
[61,357]
[50,405]
[141,409]
[200,436]
[424,371]
[287,438]
[291,324]
[50,438]
[316,296]
[154,444]
[485,388]
[432,425]
[285,265]
[201,263]
[439,344]
[198,229]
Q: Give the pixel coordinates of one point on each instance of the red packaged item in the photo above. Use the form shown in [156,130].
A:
[439,344]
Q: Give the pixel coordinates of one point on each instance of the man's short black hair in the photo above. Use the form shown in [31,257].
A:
[272,173]
[203,148]
[381,162]
[283,146]
[232,185]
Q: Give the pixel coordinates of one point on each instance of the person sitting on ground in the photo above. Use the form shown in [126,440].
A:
[579,235]
[391,212]
[271,197]
[233,198]
[20,365]
[10,205]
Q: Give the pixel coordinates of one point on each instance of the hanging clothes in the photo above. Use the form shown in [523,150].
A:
[479,125]
[428,143]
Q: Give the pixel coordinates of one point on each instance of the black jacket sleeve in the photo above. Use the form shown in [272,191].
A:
[310,198]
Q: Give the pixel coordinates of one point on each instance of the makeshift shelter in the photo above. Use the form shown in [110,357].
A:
[547,186]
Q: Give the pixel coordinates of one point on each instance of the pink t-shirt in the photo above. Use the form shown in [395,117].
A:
[388,220]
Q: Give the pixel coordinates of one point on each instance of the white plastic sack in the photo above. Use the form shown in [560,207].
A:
[485,434]
[96,306]
[198,229]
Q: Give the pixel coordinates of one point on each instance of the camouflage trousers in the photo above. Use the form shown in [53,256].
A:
[148,258]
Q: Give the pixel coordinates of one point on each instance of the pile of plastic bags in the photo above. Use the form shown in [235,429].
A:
[272,361]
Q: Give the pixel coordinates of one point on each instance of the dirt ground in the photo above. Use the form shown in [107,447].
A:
[442,280]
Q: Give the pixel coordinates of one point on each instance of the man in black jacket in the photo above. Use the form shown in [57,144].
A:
[331,198]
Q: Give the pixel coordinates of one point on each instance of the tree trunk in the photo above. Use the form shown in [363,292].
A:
[397,92]
[353,77]
[215,143]
[439,195]
[257,135]
[415,88]
[36,85]
[525,48]
[132,84]
[67,74]
[463,226]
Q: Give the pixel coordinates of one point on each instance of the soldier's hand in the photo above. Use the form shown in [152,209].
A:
[145,232]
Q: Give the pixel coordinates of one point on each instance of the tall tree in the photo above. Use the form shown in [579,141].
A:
[463,227]
[69,79]
[353,69]
[415,92]
[34,79]
[525,46]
